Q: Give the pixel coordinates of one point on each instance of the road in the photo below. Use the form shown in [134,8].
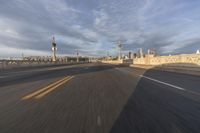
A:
[98,98]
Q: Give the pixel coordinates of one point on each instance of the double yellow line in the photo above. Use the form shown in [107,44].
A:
[44,91]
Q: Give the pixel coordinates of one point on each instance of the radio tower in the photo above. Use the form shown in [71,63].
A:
[54,49]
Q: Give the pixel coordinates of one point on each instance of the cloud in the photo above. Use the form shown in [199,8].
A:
[17,52]
[92,26]
[188,45]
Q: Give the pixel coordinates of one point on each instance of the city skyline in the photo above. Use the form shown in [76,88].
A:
[27,27]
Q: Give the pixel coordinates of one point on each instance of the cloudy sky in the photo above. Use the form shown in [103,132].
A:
[93,26]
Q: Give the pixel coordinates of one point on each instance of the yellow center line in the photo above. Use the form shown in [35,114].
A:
[53,88]
[41,90]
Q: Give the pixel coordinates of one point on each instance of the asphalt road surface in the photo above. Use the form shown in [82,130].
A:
[98,98]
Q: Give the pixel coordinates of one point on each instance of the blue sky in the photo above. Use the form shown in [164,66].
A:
[92,26]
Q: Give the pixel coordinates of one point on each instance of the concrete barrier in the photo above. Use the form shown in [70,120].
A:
[191,69]
[113,62]
[10,64]
[117,62]
[175,59]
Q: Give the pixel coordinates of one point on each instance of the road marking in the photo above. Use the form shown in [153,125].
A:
[53,88]
[41,90]
[44,89]
[161,82]
[174,86]
[99,121]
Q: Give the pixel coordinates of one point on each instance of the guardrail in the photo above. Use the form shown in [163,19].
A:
[9,64]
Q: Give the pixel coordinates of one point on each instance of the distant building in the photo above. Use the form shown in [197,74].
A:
[151,52]
[130,56]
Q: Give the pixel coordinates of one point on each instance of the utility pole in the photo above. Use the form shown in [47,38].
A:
[54,49]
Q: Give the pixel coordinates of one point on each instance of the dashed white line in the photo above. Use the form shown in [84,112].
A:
[161,82]
[99,121]
[174,86]
[164,83]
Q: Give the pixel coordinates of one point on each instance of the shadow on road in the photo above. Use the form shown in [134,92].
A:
[50,74]
[158,108]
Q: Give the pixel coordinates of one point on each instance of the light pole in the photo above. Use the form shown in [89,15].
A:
[77,56]
[54,49]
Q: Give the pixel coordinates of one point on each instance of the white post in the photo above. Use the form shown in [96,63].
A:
[54,49]
[77,56]
[54,54]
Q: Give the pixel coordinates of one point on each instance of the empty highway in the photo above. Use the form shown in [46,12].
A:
[98,98]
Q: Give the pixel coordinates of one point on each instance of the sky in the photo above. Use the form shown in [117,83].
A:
[93,27]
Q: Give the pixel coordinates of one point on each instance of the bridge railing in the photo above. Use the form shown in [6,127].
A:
[9,64]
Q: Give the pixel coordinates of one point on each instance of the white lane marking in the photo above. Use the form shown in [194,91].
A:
[161,82]
[174,86]
[98,120]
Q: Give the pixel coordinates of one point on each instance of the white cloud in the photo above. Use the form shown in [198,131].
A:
[17,52]
[91,25]
[59,6]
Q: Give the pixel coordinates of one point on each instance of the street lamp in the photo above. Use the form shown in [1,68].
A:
[54,49]
[77,56]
